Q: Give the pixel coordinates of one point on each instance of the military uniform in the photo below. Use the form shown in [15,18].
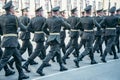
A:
[10,41]
[8,72]
[25,36]
[36,26]
[98,34]
[118,32]
[110,33]
[73,20]
[54,24]
[87,24]
[62,38]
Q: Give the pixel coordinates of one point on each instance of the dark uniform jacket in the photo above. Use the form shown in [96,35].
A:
[118,26]
[99,20]
[9,25]
[25,34]
[87,23]
[73,20]
[35,26]
[54,24]
[110,23]
[63,33]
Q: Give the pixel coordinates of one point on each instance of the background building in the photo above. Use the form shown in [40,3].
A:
[64,4]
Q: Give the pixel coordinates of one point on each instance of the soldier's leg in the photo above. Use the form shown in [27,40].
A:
[5,57]
[114,52]
[48,57]
[23,48]
[83,54]
[75,45]
[108,47]
[30,50]
[59,60]
[113,48]
[117,43]
[63,46]
[18,64]
[91,55]
[96,45]
[82,42]
[42,54]
[69,43]
[8,72]
[33,56]
[68,52]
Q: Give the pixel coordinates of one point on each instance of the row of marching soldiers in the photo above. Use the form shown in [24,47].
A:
[94,30]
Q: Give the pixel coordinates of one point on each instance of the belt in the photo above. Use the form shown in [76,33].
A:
[54,33]
[118,26]
[39,32]
[74,30]
[6,35]
[111,28]
[88,30]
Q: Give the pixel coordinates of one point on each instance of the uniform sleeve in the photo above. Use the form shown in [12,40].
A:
[96,24]
[44,28]
[65,24]
[79,25]
[1,33]
[20,25]
[30,27]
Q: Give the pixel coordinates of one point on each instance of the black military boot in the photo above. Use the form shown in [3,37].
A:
[115,56]
[22,76]
[23,59]
[33,63]
[8,72]
[47,65]
[25,66]
[76,63]
[53,59]
[40,69]
[10,63]
[62,68]
[93,62]
[64,60]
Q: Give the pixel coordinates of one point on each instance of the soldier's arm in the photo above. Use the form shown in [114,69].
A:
[65,24]
[30,27]
[79,25]
[96,24]
[1,33]
[44,28]
[20,25]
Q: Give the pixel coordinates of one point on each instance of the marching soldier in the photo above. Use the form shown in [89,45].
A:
[74,34]
[25,37]
[110,33]
[118,31]
[98,34]
[63,33]
[8,72]
[54,24]
[35,26]
[9,24]
[87,24]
